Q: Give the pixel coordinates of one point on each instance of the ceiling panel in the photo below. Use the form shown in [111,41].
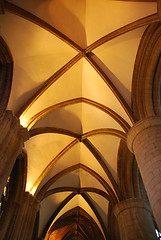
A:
[70,158]
[95,88]
[68,117]
[34,61]
[71,179]
[108,146]
[67,87]
[87,159]
[87,180]
[73,13]
[115,14]
[78,200]
[93,118]
[101,205]
[119,56]
[41,150]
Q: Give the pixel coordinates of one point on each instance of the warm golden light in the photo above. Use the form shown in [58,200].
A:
[33,190]
[23,121]
[30,188]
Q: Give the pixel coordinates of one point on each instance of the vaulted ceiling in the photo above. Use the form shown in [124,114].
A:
[72,89]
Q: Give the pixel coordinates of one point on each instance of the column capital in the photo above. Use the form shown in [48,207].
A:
[8,116]
[31,200]
[139,127]
[131,203]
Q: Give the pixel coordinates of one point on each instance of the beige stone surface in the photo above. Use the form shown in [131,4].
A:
[144,139]
[135,220]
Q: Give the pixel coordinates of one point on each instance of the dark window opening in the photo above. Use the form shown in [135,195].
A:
[158,234]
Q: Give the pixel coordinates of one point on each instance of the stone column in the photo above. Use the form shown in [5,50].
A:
[24,221]
[12,137]
[135,220]
[144,140]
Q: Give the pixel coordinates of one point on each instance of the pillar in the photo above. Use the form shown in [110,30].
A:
[20,216]
[135,220]
[24,221]
[12,137]
[144,140]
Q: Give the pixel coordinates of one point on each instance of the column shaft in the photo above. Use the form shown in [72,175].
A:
[25,219]
[144,139]
[135,220]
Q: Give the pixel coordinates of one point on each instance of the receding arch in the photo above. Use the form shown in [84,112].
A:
[86,142]
[156,94]
[45,187]
[107,131]
[87,225]
[78,191]
[41,130]
[59,208]
[146,76]
[101,107]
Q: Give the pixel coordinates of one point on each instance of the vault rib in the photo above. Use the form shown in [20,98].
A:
[42,130]
[85,220]
[100,160]
[108,131]
[87,199]
[58,209]
[129,27]
[63,204]
[36,20]
[52,162]
[87,143]
[48,83]
[52,180]
[101,107]
[77,191]
[112,87]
